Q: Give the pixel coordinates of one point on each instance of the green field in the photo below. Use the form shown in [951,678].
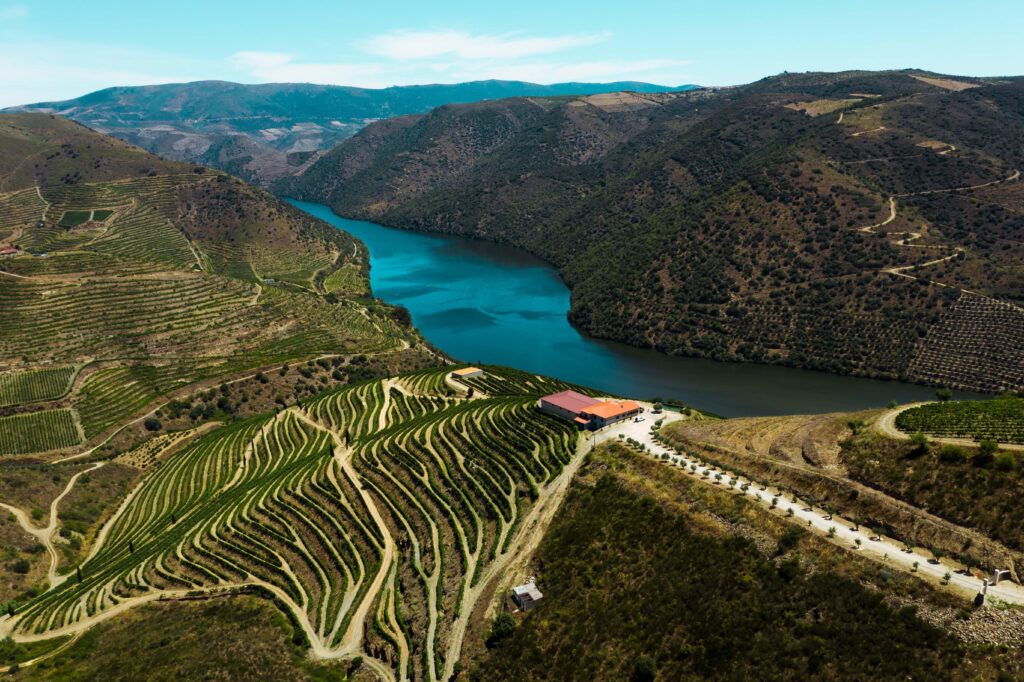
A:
[273,501]
[37,384]
[72,218]
[38,432]
[999,419]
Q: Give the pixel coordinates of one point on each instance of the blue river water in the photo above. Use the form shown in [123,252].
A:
[483,302]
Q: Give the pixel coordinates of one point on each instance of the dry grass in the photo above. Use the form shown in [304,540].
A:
[947,84]
[222,639]
[618,101]
[819,107]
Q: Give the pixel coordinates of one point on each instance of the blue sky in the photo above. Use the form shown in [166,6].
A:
[56,49]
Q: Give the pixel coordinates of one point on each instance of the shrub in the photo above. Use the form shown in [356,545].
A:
[152,424]
[952,454]
[643,669]
[921,444]
[503,627]
[1006,461]
[944,394]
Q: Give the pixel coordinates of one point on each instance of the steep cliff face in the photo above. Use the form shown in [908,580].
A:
[828,221]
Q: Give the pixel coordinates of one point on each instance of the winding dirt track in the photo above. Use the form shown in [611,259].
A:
[45,534]
[351,643]
[908,237]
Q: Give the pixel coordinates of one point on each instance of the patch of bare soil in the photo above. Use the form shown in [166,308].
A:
[947,84]
[622,101]
[821,106]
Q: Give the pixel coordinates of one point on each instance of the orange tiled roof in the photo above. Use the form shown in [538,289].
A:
[611,408]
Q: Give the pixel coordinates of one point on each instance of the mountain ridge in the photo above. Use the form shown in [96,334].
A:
[198,121]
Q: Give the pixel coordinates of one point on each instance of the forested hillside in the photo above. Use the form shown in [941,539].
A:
[860,223]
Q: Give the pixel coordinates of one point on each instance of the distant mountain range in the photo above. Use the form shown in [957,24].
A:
[265,132]
[862,223]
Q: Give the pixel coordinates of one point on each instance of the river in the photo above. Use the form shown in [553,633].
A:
[487,303]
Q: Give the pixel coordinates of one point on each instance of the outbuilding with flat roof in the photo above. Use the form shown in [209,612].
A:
[467,373]
[526,596]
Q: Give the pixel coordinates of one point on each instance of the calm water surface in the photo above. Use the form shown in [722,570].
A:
[483,302]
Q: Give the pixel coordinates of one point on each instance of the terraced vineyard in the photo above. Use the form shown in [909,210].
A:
[109,395]
[144,272]
[144,234]
[1000,419]
[377,515]
[32,385]
[20,208]
[38,432]
[346,280]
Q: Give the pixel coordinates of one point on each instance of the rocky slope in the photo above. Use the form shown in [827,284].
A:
[862,223]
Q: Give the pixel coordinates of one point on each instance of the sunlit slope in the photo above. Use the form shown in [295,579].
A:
[377,515]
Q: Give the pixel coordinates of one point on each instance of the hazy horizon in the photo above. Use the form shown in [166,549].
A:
[51,52]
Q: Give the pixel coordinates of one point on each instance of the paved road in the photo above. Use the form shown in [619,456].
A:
[843,532]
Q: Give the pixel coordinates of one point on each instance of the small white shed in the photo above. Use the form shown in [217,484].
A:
[526,596]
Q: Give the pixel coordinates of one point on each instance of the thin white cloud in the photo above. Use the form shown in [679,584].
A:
[11,12]
[282,68]
[412,45]
[663,71]
[285,68]
[52,71]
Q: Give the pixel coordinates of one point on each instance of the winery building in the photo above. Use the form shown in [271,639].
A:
[609,412]
[586,412]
